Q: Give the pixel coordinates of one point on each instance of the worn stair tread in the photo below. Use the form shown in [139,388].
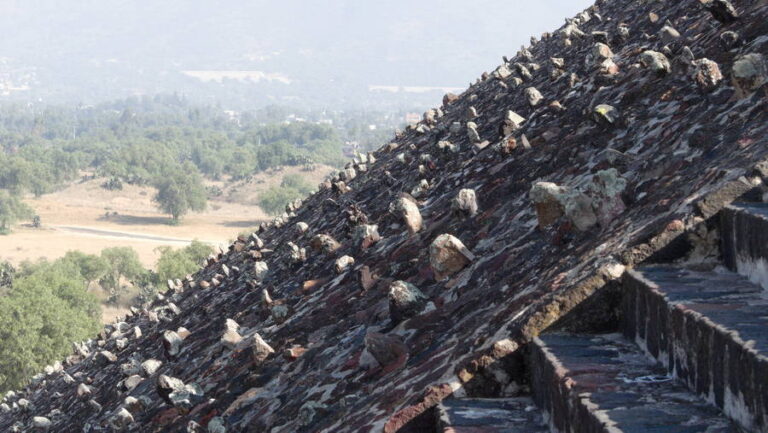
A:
[483,415]
[623,388]
[727,299]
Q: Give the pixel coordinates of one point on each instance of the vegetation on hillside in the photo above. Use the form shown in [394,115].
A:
[46,306]
[177,263]
[179,191]
[12,209]
[164,142]
[273,200]
[44,310]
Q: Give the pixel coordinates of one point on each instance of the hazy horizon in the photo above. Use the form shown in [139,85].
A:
[308,51]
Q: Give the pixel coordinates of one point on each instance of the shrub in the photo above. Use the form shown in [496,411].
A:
[177,263]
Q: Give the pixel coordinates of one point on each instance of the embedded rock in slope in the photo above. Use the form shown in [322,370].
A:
[448,255]
[302,227]
[579,209]
[408,211]
[466,202]
[150,366]
[388,350]
[297,254]
[606,115]
[366,235]
[669,34]
[177,393]
[343,264]
[534,96]
[324,244]
[172,343]
[707,74]
[512,123]
[121,420]
[547,198]
[41,423]
[606,190]
[104,357]
[749,73]
[405,301]
[722,10]
[656,62]
[472,134]
[261,350]
[231,338]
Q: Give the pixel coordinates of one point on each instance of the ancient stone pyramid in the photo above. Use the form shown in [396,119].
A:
[573,244]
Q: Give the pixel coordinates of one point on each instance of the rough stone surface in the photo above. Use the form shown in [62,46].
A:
[750,72]
[744,231]
[682,151]
[656,62]
[405,301]
[343,264]
[408,211]
[547,199]
[448,255]
[707,74]
[509,415]
[606,384]
[466,202]
[708,328]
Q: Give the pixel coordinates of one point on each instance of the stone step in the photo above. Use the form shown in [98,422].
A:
[482,415]
[606,384]
[744,234]
[711,331]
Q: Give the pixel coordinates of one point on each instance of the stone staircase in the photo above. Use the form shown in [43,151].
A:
[690,355]
[476,415]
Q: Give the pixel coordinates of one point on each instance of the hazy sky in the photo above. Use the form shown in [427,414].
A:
[396,42]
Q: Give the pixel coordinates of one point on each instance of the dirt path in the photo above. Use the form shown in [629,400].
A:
[110,234]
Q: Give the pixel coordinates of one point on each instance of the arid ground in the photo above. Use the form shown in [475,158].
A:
[89,218]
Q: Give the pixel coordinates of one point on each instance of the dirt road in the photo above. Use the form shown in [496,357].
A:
[110,234]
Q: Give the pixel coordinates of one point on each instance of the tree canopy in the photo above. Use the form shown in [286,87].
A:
[180,190]
[91,267]
[176,263]
[122,264]
[45,310]
[135,140]
[12,209]
[292,187]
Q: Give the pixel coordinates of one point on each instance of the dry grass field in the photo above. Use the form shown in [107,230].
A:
[75,218]
[88,218]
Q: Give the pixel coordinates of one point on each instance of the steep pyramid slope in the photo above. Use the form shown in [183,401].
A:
[427,266]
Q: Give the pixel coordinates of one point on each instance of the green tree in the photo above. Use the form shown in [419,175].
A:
[176,263]
[12,209]
[180,190]
[43,313]
[297,182]
[147,285]
[91,267]
[7,273]
[273,200]
[122,264]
